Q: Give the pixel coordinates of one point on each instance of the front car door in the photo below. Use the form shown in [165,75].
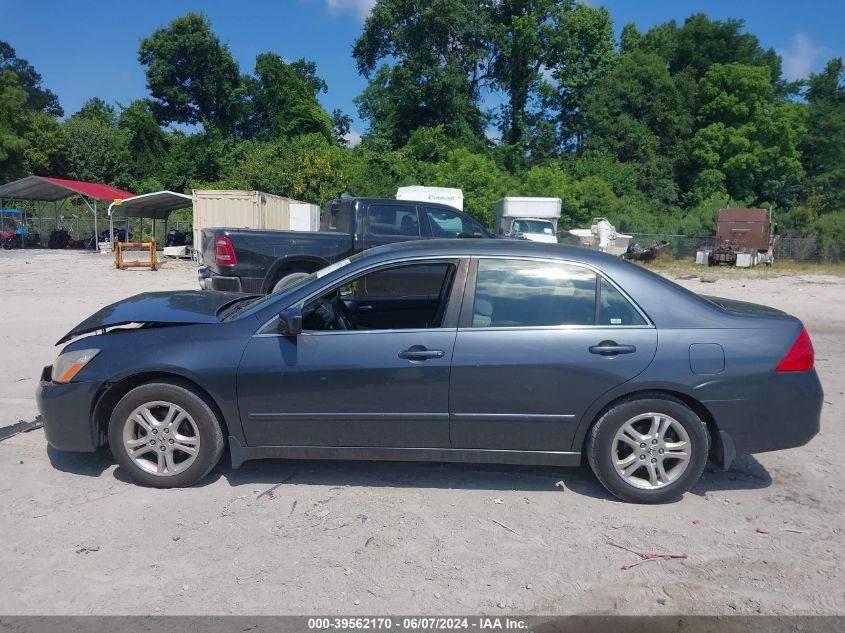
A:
[370,369]
[538,342]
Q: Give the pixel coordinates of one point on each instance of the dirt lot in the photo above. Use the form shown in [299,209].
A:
[765,537]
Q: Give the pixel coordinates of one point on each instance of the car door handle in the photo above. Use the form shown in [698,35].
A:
[419,352]
[611,348]
[364,307]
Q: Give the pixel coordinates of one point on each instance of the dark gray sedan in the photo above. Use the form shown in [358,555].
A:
[472,351]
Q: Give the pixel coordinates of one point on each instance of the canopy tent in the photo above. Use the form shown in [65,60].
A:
[157,206]
[46,189]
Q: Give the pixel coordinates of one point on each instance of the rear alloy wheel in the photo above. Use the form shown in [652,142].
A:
[165,435]
[648,450]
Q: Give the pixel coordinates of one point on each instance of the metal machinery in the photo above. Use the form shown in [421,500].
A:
[602,236]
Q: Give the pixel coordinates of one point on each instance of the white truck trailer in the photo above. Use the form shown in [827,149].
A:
[534,219]
[442,195]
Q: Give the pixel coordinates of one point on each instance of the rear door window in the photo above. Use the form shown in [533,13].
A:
[615,309]
[524,293]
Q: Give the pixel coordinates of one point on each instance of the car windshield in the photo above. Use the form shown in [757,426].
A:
[534,226]
[250,305]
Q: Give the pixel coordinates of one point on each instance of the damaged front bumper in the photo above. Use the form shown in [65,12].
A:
[67,410]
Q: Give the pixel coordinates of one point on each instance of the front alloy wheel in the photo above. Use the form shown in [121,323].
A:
[161,438]
[165,434]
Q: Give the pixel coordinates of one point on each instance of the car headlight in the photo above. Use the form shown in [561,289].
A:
[67,365]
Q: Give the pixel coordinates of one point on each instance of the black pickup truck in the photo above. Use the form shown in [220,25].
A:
[263,261]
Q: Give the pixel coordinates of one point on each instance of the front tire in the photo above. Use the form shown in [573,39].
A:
[165,435]
[648,449]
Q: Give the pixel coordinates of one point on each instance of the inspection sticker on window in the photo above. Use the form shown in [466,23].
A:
[616,321]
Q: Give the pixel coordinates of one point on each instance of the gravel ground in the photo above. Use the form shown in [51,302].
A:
[388,538]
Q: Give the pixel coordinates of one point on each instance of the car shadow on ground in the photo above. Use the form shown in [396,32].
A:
[746,473]
[87,464]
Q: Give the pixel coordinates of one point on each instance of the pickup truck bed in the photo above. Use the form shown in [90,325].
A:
[262,254]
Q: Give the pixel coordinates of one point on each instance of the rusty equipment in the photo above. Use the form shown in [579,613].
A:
[744,237]
[120,247]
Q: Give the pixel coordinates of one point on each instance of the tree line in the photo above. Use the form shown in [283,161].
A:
[655,130]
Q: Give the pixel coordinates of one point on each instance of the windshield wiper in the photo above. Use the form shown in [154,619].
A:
[233,307]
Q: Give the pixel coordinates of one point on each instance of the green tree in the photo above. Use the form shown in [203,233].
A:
[282,104]
[520,36]
[637,115]
[98,110]
[438,50]
[482,181]
[580,54]
[701,42]
[97,152]
[31,141]
[341,125]
[307,71]
[147,143]
[195,158]
[308,167]
[745,138]
[191,75]
[823,146]
[38,98]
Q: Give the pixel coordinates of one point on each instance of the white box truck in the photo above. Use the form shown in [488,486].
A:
[533,219]
[442,195]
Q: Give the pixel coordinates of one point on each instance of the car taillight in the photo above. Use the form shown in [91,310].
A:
[224,251]
[800,356]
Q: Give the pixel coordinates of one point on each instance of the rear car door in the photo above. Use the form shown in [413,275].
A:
[383,383]
[538,342]
[388,222]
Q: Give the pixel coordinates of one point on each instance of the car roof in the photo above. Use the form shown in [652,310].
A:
[468,247]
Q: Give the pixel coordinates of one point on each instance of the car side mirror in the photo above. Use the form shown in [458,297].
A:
[290,321]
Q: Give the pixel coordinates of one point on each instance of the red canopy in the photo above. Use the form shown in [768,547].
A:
[46,188]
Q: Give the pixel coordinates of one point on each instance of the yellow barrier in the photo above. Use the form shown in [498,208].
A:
[135,246]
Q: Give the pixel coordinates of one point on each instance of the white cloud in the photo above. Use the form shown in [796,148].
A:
[799,60]
[352,137]
[360,7]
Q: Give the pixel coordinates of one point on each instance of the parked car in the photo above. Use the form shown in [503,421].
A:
[501,351]
[245,260]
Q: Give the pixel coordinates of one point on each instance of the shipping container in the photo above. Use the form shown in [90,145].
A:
[236,209]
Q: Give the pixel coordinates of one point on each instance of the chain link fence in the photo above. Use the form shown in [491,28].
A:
[81,229]
[799,249]
[681,247]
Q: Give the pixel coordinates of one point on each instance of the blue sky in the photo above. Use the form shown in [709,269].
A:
[89,48]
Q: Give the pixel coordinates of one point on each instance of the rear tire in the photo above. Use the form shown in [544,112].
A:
[289,280]
[648,449]
[165,435]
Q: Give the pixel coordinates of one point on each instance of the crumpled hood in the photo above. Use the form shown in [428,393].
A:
[166,308]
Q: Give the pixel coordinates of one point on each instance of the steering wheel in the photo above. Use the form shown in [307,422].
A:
[343,318]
